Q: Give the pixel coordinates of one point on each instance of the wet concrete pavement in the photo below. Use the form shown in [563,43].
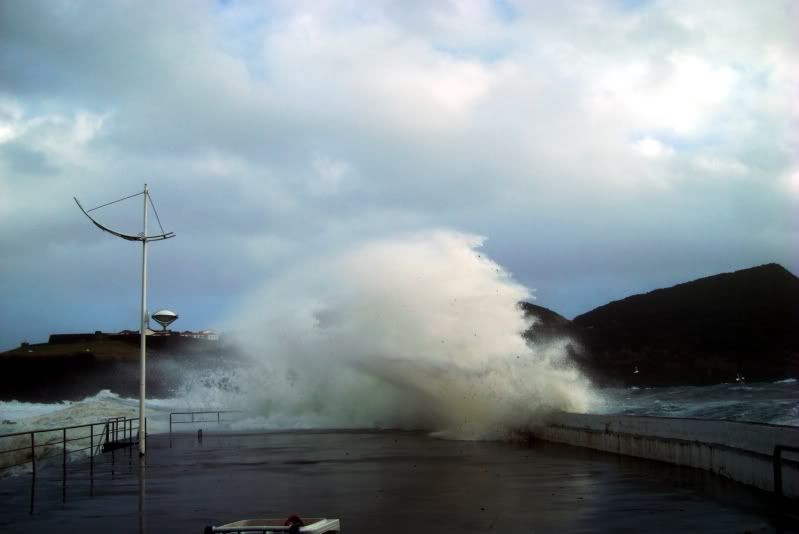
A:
[387,482]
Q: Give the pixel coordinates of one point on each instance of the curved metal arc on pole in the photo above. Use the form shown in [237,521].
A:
[144,239]
[159,237]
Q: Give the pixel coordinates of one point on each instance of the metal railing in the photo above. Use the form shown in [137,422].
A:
[36,446]
[199,417]
[119,433]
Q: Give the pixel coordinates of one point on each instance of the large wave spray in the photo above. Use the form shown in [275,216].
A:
[419,331]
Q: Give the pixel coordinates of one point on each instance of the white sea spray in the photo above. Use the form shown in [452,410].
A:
[419,331]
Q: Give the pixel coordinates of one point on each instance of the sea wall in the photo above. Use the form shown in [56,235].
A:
[740,451]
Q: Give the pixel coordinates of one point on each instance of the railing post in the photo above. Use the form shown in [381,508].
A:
[64,462]
[33,452]
[170,424]
[91,450]
[218,418]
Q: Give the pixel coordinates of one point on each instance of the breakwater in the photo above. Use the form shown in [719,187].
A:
[740,451]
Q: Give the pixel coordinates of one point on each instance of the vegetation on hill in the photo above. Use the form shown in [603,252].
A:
[710,330]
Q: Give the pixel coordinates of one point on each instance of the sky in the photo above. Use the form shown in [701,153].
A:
[601,148]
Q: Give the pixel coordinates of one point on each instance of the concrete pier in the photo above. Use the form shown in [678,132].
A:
[738,451]
[386,482]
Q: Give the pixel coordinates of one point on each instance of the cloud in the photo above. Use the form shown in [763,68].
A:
[652,148]
[603,143]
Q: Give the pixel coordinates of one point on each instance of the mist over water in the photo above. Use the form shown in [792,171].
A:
[418,331]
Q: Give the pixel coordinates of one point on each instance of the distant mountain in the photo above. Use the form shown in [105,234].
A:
[705,331]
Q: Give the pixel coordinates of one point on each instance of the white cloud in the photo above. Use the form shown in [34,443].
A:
[312,120]
[10,118]
[791,183]
[680,93]
[652,148]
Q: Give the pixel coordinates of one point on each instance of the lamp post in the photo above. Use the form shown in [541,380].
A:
[143,338]
[144,238]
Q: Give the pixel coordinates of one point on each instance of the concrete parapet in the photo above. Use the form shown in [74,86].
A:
[740,451]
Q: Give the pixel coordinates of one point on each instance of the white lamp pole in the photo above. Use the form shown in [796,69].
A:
[143,343]
[144,238]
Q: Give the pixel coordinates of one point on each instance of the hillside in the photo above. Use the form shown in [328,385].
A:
[72,367]
[699,332]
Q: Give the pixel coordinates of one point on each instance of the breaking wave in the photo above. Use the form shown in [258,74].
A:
[419,331]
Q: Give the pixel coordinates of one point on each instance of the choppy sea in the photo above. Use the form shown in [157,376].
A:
[765,402]
[774,403]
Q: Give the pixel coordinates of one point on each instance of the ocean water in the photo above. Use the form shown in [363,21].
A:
[774,403]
